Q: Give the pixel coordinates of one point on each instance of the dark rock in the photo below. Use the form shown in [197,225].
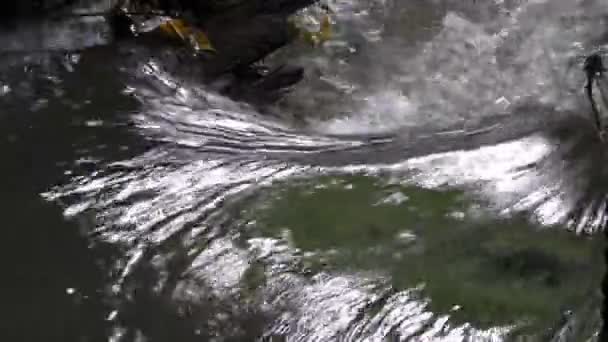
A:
[120,24]
[202,9]
[263,87]
[280,78]
[243,33]
[245,43]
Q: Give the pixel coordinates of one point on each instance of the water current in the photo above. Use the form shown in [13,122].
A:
[435,177]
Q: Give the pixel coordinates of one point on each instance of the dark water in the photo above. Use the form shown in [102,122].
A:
[452,192]
[49,254]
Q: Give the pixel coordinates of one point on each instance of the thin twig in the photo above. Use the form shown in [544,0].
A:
[593,68]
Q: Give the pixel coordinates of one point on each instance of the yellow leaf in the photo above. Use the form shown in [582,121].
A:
[202,42]
[325,31]
[309,37]
[316,38]
[167,29]
[177,28]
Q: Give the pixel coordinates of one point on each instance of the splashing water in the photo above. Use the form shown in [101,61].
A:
[394,212]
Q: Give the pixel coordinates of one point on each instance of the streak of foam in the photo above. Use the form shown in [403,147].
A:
[514,176]
[331,307]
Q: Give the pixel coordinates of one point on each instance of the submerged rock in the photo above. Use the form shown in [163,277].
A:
[239,34]
[242,33]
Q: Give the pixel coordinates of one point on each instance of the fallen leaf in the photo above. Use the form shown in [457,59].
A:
[200,41]
[178,29]
[325,31]
[315,38]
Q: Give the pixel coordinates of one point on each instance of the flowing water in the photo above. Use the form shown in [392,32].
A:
[436,177]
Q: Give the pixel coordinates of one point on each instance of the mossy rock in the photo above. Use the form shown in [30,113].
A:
[498,271]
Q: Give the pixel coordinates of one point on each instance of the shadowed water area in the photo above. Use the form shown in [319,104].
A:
[435,177]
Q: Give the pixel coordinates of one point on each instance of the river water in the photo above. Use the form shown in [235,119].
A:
[436,177]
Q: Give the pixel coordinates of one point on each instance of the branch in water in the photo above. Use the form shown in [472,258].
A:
[593,68]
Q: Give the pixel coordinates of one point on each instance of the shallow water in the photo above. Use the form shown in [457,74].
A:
[432,179]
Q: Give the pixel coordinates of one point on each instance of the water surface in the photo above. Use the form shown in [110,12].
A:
[435,177]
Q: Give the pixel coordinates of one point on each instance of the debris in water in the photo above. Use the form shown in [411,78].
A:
[5,89]
[178,29]
[112,315]
[304,25]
